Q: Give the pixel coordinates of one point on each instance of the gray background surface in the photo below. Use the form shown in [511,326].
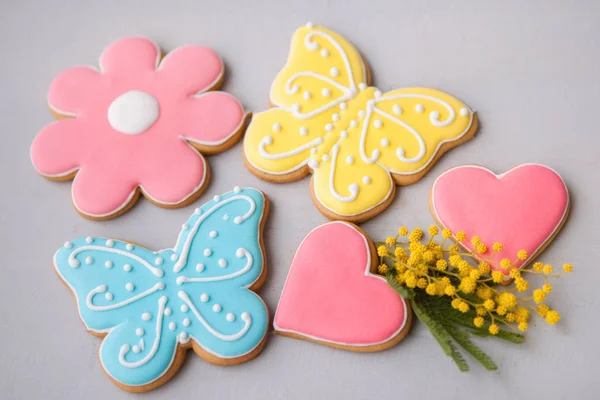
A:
[529,68]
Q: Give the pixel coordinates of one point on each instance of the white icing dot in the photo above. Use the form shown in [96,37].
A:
[184,308]
[378,123]
[160,285]
[129,286]
[313,151]
[172,325]
[139,332]
[136,348]
[89,260]
[344,134]
[207,252]
[434,115]
[225,217]
[230,317]
[464,112]
[307,95]
[174,257]
[199,267]
[186,322]
[353,124]
[334,71]
[158,261]
[168,311]
[313,164]
[204,297]
[362,86]
[73,263]
[129,246]
[303,130]
[146,316]
[419,108]
[239,253]
[361,114]
[385,142]
[183,337]
[245,316]
[127,267]
[197,211]
[108,264]
[366,180]
[335,117]
[377,94]
[222,263]
[217,197]
[108,296]
[217,308]
[353,188]
[343,106]
[68,245]
[133,112]
[213,234]
[296,108]
[110,243]
[396,109]
[350,160]
[236,189]
[326,92]
[276,127]
[324,53]
[237,220]
[89,239]
[325,157]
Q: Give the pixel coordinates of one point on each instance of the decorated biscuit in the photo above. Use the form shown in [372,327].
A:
[139,124]
[523,209]
[332,297]
[152,306]
[357,142]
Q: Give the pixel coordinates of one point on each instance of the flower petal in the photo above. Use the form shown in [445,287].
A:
[191,69]
[130,56]
[74,91]
[55,150]
[210,119]
[173,175]
[102,191]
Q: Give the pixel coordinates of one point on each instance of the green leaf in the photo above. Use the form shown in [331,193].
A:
[462,338]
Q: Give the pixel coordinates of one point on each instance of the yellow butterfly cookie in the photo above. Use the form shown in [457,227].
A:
[357,142]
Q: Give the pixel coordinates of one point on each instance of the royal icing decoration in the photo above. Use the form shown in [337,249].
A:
[137,124]
[331,296]
[160,307]
[391,135]
[523,208]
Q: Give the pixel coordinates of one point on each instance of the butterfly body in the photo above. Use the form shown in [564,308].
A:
[152,306]
[356,141]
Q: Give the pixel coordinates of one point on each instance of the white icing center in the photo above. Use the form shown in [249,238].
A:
[133,112]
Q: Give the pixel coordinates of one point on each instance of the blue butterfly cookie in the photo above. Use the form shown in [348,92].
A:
[151,307]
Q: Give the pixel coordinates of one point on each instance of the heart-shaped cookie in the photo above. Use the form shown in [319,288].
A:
[523,208]
[331,296]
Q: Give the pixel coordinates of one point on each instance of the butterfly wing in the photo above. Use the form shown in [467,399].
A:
[119,290]
[323,71]
[405,129]
[220,242]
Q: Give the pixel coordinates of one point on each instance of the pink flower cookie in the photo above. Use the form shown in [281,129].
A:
[523,208]
[137,125]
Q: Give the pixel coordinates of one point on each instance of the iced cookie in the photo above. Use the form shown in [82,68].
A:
[332,297]
[357,142]
[523,209]
[138,125]
[152,306]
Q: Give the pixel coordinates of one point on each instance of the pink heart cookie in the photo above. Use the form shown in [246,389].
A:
[331,296]
[523,208]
